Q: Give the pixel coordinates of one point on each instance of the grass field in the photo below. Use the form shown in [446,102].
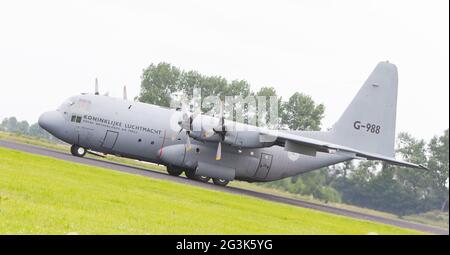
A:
[434,218]
[42,195]
[441,220]
[66,148]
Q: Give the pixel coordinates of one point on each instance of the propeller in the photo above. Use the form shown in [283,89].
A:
[221,131]
[186,124]
[96,86]
[219,151]
[124,92]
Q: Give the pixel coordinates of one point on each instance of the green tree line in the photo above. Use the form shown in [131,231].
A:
[368,184]
[12,125]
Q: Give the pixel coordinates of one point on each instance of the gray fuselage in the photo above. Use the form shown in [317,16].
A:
[150,133]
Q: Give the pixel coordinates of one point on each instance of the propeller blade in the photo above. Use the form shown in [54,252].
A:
[125,92]
[186,118]
[174,135]
[188,143]
[219,151]
[222,118]
[96,86]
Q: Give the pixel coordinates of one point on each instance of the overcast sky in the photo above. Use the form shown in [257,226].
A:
[50,50]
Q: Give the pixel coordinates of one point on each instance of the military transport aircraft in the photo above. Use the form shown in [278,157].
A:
[99,123]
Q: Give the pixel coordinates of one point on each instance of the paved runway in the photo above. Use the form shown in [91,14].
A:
[265,196]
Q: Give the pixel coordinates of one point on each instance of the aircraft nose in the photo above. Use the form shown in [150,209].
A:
[51,121]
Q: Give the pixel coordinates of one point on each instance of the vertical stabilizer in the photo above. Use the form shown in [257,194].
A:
[368,123]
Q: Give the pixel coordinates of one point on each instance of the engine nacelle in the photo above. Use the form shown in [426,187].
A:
[176,155]
[202,128]
[248,139]
[215,171]
[236,134]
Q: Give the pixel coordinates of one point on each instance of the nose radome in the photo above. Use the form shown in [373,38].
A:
[52,121]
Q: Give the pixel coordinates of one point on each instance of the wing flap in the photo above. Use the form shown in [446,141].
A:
[309,146]
[300,148]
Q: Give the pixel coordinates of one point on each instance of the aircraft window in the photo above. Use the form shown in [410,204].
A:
[152,142]
[78,119]
[139,140]
[73,118]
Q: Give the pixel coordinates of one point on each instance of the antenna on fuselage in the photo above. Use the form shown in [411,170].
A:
[124,92]
[96,86]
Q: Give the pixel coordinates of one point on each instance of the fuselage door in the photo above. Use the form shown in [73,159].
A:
[110,139]
[264,165]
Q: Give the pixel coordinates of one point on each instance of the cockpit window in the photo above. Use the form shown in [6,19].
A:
[83,104]
[75,118]
[66,104]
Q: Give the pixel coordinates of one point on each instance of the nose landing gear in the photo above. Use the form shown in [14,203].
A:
[77,151]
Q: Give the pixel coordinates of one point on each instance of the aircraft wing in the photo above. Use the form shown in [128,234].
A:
[309,146]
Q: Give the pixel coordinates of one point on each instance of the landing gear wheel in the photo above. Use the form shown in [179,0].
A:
[191,175]
[203,178]
[174,171]
[77,151]
[220,182]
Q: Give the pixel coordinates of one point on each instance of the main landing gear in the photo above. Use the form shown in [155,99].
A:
[191,175]
[77,151]
[174,171]
[220,182]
